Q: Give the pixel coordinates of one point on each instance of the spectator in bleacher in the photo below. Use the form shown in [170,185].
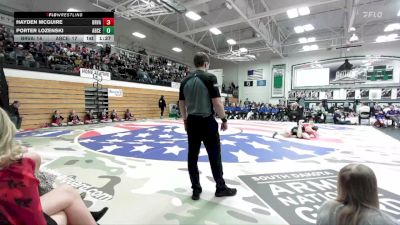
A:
[56,119]
[73,119]
[14,114]
[104,118]
[114,116]
[162,104]
[129,116]
[357,201]
[90,118]
[394,115]
[70,58]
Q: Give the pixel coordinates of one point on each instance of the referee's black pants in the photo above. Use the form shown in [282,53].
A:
[204,129]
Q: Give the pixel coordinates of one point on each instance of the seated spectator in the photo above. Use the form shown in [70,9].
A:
[357,202]
[338,117]
[364,112]
[114,116]
[320,113]
[56,119]
[394,115]
[20,202]
[104,117]
[352,118]
[73,119]
[90,117]
[129,116]
[380,118]
[14,114]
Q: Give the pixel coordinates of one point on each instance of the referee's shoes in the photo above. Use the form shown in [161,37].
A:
[225,192]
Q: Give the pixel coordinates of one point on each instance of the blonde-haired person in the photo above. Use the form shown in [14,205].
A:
[19,195]
[357,201]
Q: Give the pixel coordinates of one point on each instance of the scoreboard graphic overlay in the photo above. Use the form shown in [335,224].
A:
[64,26]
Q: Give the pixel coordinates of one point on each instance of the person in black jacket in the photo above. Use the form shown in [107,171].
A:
[14,114]
[162,105]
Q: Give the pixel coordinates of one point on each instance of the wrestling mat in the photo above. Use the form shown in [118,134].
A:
[139,170]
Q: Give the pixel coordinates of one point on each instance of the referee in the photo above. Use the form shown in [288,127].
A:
[198,97]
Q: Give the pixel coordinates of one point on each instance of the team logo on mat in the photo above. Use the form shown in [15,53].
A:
[169,142]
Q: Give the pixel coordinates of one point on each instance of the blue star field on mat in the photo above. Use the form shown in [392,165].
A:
[42,133]
[162,143]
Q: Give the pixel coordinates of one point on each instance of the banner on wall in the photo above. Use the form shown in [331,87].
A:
[175,85]
[350,94]
[295,196]
[118,93]
[219,73]
[261,83]
[95,74]
[386,93]
[6,20]
[360,70]
[256,74]
[375,94]
[364,94]
[278,81]
[248,83]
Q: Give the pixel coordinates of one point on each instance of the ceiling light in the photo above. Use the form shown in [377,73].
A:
[299,29]
[193,16]
[392,37]
[243,50]
[139,35]
[310,48]
[392,27]
[352,29]
[215,31]
[231,41]
[304,11]
[72,10]
[381,38]
[308,27]
[228,5]
[354,37]
[398,13]
[314,47]
[176,49]
[292,13]
[311,39]
[303,40]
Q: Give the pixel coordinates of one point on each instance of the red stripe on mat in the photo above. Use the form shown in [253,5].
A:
[89,134]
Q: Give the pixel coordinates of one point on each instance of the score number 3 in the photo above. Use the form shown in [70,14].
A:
[108,21]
